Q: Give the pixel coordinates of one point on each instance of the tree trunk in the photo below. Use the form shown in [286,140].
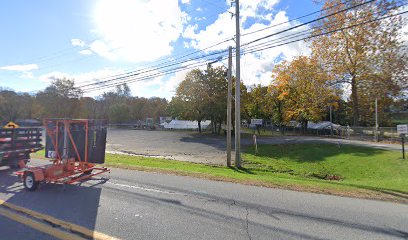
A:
[354,99]
[219,128]
[304,126]
[199,126]
[212,124]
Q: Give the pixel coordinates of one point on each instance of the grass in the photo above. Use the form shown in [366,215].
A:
[342,170]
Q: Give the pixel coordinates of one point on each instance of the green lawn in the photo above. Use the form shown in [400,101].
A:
[359,171]
[355,166]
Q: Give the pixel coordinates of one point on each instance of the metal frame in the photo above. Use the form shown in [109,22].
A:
[67,170]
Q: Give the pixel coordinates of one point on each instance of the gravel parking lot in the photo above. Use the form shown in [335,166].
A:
[201,148]
[182,146]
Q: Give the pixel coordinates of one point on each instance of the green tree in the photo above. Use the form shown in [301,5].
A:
[189,101]
[14,105]
[258,104]
[215,89]
[202,95]
[59,100]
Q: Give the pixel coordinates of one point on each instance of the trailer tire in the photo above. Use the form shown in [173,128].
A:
[29,182]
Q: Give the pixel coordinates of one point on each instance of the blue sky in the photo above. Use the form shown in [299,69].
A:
[88,40]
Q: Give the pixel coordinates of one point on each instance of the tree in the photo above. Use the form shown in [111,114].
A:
[258,104]
[59,100]
[304,89]
[189,101]
[215,89]
[15,105]
[201,95]
[370,58]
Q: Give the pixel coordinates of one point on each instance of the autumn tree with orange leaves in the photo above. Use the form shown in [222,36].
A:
[362,48]
[303,87]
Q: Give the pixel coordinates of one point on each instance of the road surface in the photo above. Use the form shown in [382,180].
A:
[140,205]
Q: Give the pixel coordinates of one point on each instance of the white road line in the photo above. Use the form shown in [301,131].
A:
[140,188]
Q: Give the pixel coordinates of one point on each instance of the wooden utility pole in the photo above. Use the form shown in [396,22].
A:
[237,90]
[331,121]
[229,77]
[376,119]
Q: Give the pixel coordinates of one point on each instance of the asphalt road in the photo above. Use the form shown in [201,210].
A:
[139,205]
[202,148]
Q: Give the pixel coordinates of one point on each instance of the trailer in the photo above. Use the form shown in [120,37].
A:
[75,147]
[16,144]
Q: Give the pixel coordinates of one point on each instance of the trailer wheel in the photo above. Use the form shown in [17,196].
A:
[29,182]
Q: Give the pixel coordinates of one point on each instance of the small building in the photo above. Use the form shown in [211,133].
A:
[185,124]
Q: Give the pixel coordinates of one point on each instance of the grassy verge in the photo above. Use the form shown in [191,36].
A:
[325,168]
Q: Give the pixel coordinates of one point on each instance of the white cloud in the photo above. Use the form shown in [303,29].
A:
[103,50]
[172,83]
[85,52]
[20,68]
[185,1]
[255,67]
[138,31]
[77,42]
[169,86]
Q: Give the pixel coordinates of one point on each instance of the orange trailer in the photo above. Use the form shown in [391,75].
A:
[71,144]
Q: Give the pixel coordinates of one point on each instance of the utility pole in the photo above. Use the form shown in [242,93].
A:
[331,121]
[376,119]
[237,90]
[229,77]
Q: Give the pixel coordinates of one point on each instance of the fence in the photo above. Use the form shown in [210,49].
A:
[388,134]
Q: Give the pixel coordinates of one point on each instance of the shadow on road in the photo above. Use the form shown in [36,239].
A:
[71,203]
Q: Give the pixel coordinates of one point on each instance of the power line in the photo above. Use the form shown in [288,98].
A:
[267,46]
[250,42]
[46,58]
[167,72]
[295,19]
[308,22]
[133,73]
[252,51]
[297,26]
[307,31]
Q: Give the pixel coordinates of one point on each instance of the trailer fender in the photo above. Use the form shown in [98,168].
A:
[38,174]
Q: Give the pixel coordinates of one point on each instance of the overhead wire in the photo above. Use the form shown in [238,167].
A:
[267,46]
[295,19]
[316,35]
[135,74]
[307,31]
[246,44]
[307,23]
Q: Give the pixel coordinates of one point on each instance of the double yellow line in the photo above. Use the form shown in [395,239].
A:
[36,220]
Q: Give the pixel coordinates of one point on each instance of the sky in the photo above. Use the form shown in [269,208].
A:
[95,39]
